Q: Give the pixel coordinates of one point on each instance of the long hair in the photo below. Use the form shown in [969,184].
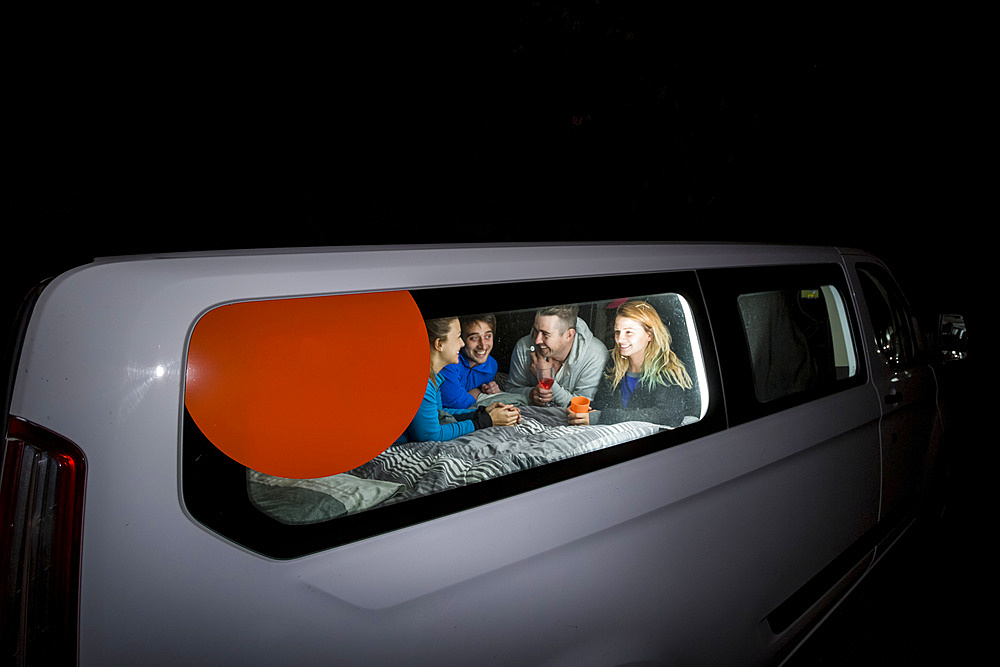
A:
[660,365]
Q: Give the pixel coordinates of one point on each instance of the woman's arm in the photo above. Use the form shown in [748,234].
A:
[426,424]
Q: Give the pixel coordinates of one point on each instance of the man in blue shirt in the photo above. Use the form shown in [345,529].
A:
[476,370]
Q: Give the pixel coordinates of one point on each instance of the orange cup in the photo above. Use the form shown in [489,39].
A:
[579,404]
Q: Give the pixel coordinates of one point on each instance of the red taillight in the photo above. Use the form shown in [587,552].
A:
[41,504]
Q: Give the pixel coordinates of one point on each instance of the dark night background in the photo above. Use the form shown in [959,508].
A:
[530,122]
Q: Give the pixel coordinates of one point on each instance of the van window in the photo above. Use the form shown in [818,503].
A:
[440,460]
[799,339]
[785,335]
[895,336]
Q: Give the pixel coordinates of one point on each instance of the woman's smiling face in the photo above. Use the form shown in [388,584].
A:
[451,345]
[631,338]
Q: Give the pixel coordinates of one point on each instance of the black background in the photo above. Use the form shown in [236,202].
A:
[522,121]
[531,121]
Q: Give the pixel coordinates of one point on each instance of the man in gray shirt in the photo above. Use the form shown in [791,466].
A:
[563,341]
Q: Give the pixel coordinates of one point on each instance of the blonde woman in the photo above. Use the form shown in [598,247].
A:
[646,381]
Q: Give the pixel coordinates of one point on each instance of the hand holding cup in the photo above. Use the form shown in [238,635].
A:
[578,412]
[542,394]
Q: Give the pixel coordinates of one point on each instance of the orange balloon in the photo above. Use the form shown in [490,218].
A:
[307,387]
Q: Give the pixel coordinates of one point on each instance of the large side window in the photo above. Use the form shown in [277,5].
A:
[285,373]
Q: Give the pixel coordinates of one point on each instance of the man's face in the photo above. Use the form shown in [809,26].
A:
[552,340]
[478,343]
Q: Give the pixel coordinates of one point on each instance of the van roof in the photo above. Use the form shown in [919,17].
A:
[722,246]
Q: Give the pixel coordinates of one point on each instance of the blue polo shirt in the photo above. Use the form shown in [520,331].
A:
[458,379]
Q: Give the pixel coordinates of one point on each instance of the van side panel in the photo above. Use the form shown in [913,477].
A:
[680,554]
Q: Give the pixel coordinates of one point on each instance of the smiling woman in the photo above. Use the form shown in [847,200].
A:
[646,379]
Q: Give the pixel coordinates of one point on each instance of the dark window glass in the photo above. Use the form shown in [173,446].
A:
[799,339]
[785,335]
[895,337]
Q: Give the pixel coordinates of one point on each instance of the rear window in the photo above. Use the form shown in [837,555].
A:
[314,421]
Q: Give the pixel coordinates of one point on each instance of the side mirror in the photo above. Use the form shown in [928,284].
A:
[951,339]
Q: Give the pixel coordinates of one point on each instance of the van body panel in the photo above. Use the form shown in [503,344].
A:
[700,536]
[587,505]
[679,554]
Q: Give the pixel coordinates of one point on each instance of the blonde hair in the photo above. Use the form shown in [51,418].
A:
[660,365]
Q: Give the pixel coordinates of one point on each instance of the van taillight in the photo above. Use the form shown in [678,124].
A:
[41,504]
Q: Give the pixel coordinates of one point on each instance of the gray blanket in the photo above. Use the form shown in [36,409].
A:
[414,469]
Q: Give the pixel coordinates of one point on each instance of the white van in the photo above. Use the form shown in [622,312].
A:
[206,459]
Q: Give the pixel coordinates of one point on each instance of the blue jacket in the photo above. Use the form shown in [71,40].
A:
[426,424]
[458,379]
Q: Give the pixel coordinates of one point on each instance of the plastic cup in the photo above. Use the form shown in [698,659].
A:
[579,404]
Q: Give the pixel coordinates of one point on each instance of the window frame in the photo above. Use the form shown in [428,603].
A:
[722,288]
[214,486]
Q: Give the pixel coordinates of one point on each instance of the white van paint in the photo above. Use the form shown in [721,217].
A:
[679,555]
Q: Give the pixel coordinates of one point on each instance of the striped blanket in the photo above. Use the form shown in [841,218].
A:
[413,469]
